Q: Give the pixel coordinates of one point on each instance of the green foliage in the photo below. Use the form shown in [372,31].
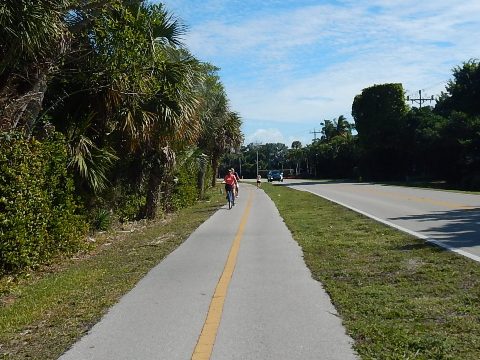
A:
[130,206]
[270,156]
[462,145]
[425,144]
[90,162]
[186,191]
[379,113]
[463,91]
[30,30]
[121,202]
[38,213]
[116,80]
[335,157]
[102,220]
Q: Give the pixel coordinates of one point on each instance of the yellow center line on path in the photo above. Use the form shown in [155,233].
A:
[203,349]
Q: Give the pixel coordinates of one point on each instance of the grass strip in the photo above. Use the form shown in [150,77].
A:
[43,314]
[399,297]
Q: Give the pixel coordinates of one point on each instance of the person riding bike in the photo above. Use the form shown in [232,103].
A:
[230,183]
[235,189]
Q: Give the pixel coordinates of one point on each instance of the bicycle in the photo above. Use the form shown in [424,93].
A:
[230,198]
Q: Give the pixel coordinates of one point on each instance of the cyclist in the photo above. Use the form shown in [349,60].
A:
[230,183]
[237,178]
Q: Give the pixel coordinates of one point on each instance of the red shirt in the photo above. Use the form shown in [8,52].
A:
[230,179]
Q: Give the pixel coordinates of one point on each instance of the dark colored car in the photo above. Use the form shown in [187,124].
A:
[275,175]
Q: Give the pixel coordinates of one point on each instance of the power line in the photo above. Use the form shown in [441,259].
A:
[315,133]
[420,100]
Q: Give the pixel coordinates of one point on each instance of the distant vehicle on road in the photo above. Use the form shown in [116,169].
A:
[275,175]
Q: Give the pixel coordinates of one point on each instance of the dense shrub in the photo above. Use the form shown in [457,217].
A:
[38,214]
[119,203]
[130,207]
[186,191]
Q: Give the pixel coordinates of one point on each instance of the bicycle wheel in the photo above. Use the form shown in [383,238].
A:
[229,196]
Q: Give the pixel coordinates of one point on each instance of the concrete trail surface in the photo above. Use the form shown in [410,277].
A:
[238,288]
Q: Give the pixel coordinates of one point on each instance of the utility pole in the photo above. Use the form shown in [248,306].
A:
[257,163]
[240,165]
[315,134]
[257,145]
[420,100]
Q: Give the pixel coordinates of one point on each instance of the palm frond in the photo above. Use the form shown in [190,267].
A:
[89,161]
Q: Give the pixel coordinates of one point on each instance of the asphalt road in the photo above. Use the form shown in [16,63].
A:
[238,288]
[448,219]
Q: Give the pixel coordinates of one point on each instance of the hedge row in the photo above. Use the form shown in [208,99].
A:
[38,212]
[187,188]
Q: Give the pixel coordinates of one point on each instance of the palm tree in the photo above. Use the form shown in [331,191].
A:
[343,127]
[33,35]
[131,77]
[329,130]
[336,127]
[221,127]
[35,38]
[175,122]
[229,137]
[158,104]
[221,131]
[296,154]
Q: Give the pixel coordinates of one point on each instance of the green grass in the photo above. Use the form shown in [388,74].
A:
[399,297]
[44,312]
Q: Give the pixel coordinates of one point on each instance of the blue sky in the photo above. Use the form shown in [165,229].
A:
[287,65]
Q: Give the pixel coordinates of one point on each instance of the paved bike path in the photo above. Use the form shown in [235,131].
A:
[273,309]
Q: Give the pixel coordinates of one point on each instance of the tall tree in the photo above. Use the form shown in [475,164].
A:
[221,127]
[33,37]
[343,127]
[136,83]
[460,105]
[379,114]
[296,154]
[424,143]
[463,91]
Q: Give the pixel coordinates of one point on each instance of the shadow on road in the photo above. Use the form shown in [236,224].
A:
[456,228]
[322,182]
[311,182]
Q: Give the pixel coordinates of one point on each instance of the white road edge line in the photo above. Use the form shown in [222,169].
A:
[408,231]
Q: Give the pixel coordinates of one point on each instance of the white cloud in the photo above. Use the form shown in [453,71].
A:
[305,64]
[264,136]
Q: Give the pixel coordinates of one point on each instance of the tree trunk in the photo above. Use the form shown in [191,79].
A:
[201,182]
[202,170]
[21,100]
[153,191]
[162,162]
[215,161]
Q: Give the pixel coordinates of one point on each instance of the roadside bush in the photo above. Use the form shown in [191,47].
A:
[130,207]
[119,203]
[186,191]
[38,213]
[102,220]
